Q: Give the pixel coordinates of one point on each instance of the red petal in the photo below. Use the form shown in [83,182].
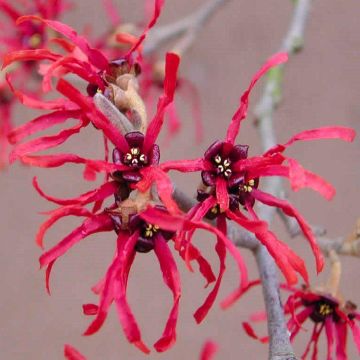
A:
[96,57]
[153,130]
[127,319]
[154,174]
[45,142]
[31,102]
[157,10]
[204,266]
[57,215]
[90,309]
[108,290]
[300,178]
[183,165]
[172,280]
[355,329]
[41,123]
[49,161]
[241,112]
[333,132]
[202,311]
[330,337]
[90,226]
[255,162]
[96,116]
[100,193]
[291,211]
[341,339]
[47,276]
[208,351]
[250,331]
[72,354]
[176,223]
[284,257]
[29,55]
[222,194]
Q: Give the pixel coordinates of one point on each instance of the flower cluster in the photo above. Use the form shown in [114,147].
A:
[143,215]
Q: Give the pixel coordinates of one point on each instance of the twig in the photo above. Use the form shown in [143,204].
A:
[190,26]
[280,346]
[349,245]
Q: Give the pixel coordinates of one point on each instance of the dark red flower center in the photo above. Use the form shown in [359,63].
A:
[223,166]
[323,308]
[135,158]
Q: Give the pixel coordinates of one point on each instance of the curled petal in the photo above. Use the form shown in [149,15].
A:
[41,123]
[171,67]
[289,210]
[300,178]
[241,112]
[57,215]
[154,174]
[95,115]
[184,165]
[29,55]
[177,222]
[100,193]
[45,142]
[355,329]
[90,309]
[157,10]
[208,351]
[251,332]
[71,353]
[341,339]
[95,224]
[220,248]
[172,280]
[96,57]
[31,102]
[126,255]
[204,266]
[49,161]
[333,132]
[108,291]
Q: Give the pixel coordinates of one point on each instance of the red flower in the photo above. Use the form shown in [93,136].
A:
[231,179]
[71,353]
[328,314]
[208,351]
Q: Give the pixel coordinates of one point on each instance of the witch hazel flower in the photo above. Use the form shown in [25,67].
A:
[28,36]
[325,309]
[142,226]
[230,185]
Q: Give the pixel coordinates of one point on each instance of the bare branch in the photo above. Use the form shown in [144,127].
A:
[280,346]
[190,26]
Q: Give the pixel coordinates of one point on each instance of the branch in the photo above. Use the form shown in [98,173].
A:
[280,346]
[342,245]
[190,26]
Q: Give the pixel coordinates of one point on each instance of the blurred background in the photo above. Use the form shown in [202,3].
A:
[321,87]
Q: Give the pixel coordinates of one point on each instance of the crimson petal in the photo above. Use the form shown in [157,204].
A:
[72,354]
[100,193]
[289,210]
[172,280]
[208,351]
[57,215]
[95,56]
[152,132]
[220,248]
[240,113]
[126,255]
[97,223]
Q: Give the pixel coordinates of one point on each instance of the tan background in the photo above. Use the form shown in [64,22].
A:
[322,86]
